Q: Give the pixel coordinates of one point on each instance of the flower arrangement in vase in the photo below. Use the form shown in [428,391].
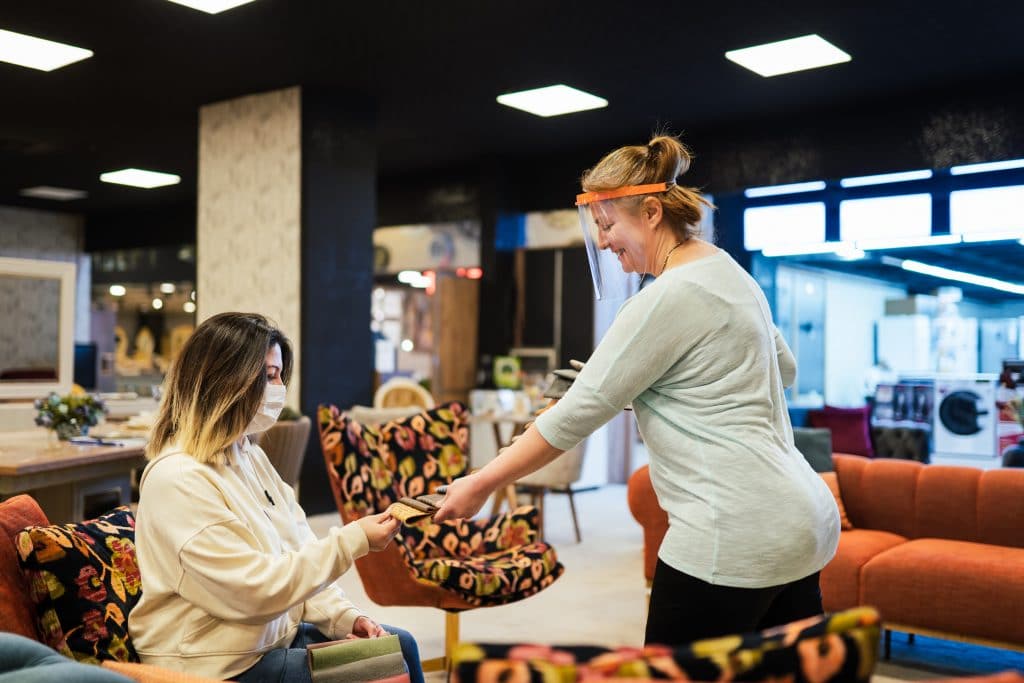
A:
[71,415]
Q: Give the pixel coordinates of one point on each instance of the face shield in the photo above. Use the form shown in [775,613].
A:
[599,215]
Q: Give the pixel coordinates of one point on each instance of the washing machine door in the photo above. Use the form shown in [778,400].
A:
[960,411]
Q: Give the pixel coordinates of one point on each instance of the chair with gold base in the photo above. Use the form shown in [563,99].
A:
[456,565]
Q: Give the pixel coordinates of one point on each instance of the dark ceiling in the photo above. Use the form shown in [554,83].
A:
[432,72]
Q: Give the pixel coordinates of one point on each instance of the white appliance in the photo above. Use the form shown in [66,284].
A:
[905,343]
[965,416]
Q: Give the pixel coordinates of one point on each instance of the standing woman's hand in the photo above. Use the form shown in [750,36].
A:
[463,498]
[379,529]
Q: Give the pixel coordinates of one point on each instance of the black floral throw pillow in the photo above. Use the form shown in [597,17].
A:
[85,581]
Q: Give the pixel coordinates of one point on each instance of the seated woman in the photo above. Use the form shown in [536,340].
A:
[235,584]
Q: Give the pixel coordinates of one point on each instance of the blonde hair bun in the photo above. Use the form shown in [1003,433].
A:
[668,157]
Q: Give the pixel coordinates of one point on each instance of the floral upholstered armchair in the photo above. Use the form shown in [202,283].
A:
[455,565]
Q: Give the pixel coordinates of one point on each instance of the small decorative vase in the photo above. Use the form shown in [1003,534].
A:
[66,431]
[1013,456]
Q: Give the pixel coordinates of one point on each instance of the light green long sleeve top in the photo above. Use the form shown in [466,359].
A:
[697,355]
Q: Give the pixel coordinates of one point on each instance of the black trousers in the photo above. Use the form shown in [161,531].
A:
[684,609]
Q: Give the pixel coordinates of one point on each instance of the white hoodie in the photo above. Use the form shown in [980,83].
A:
[227,574]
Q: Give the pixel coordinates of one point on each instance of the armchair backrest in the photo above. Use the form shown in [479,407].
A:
[285,446]
[372,466]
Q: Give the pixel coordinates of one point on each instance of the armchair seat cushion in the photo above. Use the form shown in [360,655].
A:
[486,562]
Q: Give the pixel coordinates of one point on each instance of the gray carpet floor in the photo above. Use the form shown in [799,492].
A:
[601,599]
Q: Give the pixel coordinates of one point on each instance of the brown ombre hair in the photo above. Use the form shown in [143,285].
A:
[661,160]
[215,386]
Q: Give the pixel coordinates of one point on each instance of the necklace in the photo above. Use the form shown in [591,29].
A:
[665,262]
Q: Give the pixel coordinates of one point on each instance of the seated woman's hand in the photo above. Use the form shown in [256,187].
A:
[365,627]
[379,529]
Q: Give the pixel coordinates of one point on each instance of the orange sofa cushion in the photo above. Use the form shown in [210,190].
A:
[17,611]
[950,586]
[840,579]
[947,503]
[879,494]
[1001,507]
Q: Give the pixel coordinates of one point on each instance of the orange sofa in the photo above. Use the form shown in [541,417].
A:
[938,550]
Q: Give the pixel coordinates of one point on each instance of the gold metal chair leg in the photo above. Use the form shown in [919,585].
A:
[451,639]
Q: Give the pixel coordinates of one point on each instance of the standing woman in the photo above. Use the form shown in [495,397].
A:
[235,584]
[698,357]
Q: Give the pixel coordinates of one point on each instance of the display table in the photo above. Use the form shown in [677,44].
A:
[62,476]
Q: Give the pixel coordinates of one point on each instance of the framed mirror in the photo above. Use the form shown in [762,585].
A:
[37,310]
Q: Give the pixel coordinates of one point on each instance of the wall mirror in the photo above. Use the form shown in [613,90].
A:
[37,327]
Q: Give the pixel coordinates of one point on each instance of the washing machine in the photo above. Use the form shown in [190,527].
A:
[965,419]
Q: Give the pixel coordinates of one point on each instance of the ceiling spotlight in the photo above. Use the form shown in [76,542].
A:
[60,194]
[158,303]
[117,290]
[189,307]
[407,345]
[192,295]
[786,56]
[38,53]
[167,287]
[137,177]
[553,100]
[211,6]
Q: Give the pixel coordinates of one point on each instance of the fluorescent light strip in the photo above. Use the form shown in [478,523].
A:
[906,242]
[807,249]
[879,179]
[786,56]
[987,166]
[137,177]
[553,100]
[60,194]
[211,6]
[960,276]
[993,236]
[792,188]
[38,53]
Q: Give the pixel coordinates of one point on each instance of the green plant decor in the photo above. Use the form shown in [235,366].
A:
[70,415]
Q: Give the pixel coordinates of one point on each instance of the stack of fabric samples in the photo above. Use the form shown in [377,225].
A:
[358,660]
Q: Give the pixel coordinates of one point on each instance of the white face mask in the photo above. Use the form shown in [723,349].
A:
[273,404]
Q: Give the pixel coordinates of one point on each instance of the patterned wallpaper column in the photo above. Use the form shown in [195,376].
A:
[249,227]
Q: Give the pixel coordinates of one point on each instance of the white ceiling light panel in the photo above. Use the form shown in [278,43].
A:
[786,56]
[38,53]
[553,100]
[211,6]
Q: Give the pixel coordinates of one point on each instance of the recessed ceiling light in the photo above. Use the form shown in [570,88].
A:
[167,287]
[118,290]
[137,177]
[554,100]
[189,307]
[158,304]
[211,6]
[38,53]
[61,194]
[786,56]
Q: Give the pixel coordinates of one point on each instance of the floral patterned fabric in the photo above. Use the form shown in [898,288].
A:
[84,581]
[485,562]
[842,647]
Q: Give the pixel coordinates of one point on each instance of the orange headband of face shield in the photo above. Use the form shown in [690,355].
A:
[625,191]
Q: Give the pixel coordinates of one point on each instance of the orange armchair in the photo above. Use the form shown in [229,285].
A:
[643,503]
